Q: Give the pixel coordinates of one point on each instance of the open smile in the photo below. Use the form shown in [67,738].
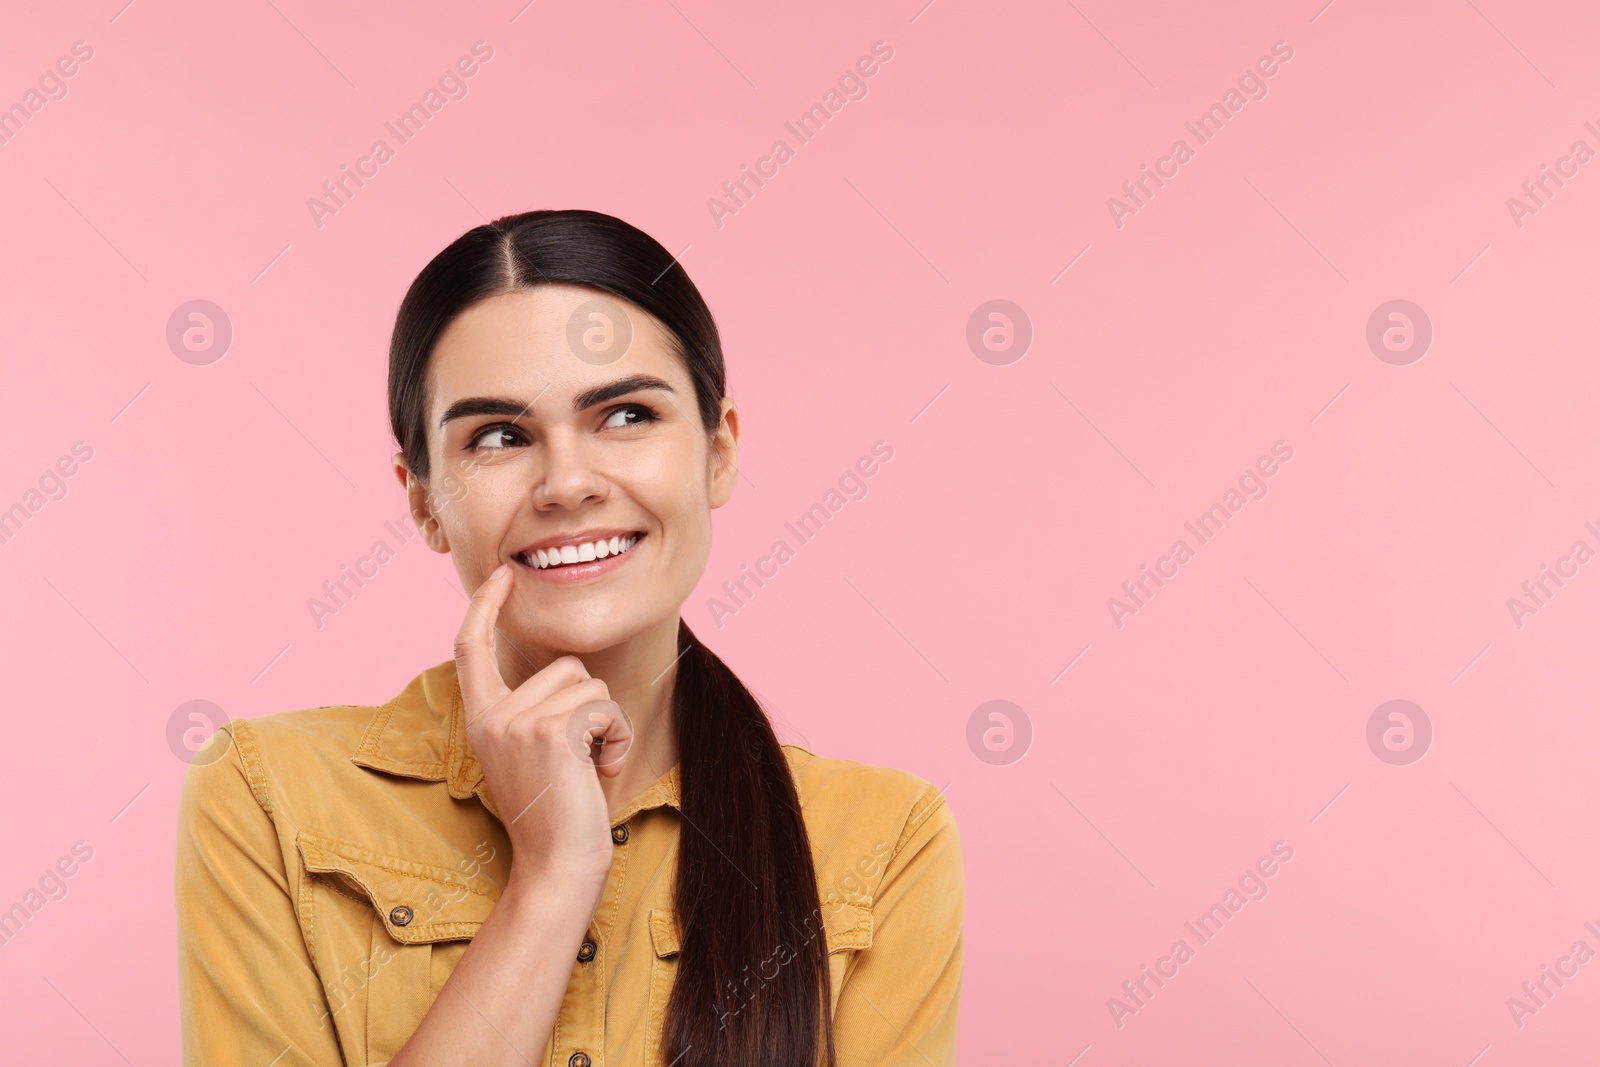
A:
[580,558]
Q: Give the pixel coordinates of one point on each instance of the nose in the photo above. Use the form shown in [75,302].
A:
[569,477]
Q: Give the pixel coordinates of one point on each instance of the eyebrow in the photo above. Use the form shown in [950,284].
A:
[468,407]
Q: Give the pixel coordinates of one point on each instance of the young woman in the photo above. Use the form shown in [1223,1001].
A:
[579,841]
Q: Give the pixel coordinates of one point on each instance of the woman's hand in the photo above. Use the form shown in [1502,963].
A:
[536,744]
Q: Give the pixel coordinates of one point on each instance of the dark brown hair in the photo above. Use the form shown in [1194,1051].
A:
[745,887]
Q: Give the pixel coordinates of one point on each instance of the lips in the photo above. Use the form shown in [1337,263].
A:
[582,548]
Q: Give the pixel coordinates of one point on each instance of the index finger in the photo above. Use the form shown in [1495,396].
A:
[479,673]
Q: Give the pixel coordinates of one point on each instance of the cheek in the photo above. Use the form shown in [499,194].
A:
[478,514]
[667,490]
[676,503]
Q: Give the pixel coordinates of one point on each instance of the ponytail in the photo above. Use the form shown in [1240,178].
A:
[746,889]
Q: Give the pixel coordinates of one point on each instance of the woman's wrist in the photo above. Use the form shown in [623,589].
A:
[551,888]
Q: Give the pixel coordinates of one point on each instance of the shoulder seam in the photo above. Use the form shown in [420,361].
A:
[250,756]
[929,802]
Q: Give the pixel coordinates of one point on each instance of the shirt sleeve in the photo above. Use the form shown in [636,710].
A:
[899,1002]
[248,992]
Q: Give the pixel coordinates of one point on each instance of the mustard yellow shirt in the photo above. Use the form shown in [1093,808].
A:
[334,863]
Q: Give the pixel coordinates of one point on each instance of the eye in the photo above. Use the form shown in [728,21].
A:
[646,415]
[498,432]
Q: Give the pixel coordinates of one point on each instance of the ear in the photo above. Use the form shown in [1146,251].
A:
[722,465]
[419,502]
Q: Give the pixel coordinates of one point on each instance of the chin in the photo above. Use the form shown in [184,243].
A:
[579,635]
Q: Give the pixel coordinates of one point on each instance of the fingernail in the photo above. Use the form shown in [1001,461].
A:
[498,571]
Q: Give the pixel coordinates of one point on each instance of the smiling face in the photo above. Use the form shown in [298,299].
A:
[536,441]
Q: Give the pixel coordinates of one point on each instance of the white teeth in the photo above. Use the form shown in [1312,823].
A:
[542,558]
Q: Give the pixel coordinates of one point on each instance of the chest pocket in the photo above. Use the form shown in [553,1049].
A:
[846,924]
[379,928]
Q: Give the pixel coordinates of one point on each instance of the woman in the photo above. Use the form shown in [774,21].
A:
[579,841]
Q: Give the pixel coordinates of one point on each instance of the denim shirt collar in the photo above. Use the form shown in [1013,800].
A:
[422,733]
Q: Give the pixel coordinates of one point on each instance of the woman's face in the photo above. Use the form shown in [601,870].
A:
[538,431]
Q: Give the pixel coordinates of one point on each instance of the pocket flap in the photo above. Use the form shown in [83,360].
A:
[418,902]
[663,932]
[846,924]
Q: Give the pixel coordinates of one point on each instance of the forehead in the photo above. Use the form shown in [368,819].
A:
[551,338]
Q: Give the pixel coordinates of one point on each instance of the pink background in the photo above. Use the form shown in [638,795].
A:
[1230,312]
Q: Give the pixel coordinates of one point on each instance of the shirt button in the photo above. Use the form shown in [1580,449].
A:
[400,916]
[619,834]
[586,952]
[578,1059]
